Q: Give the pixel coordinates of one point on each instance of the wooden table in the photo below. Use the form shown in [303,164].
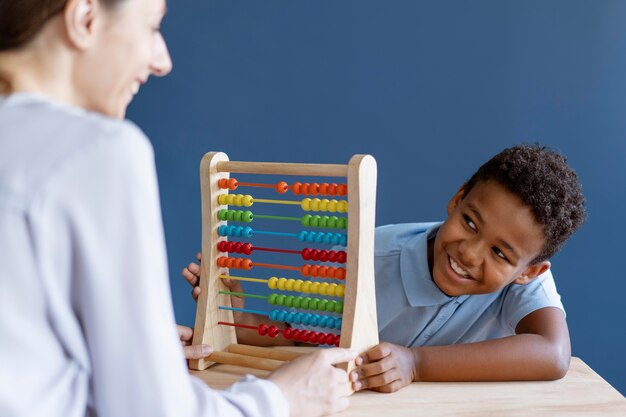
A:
[581,392]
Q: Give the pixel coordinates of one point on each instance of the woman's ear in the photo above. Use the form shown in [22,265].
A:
[79,16]
[456,199]
[532,272]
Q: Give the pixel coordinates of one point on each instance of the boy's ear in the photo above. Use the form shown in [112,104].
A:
[456,199]
[532,272]
[79,16]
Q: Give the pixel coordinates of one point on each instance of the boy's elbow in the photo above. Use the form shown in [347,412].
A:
[558,365]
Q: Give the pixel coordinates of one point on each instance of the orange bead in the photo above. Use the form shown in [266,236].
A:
[222,183]
[324,188]
[295,187]
[332,189]
[314,189]
[232,184]
[282,187]
[340,274]
[342,189]
[247,264]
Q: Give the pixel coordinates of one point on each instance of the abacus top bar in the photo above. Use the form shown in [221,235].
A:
[318,170]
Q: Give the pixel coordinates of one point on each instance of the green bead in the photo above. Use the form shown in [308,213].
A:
[272,299]
[289,300]
[331,305]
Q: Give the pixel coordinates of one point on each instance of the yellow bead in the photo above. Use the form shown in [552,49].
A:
[306,204]
[289,286]
[342,207]
[306,287]
[341,289]
[315,288]
[271,283]
[315,203]
[324,204]
[298,285]
[332,289]
[247,200]
[281,283]
[324,288]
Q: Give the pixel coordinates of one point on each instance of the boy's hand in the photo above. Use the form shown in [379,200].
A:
[192,274]
[385,368]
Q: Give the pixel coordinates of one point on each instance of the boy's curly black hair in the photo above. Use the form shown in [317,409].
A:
[546,183]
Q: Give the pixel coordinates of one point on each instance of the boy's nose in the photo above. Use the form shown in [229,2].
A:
[469,253]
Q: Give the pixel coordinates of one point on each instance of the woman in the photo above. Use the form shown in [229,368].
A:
[81,232]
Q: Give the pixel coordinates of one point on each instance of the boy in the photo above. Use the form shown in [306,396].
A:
[473,298]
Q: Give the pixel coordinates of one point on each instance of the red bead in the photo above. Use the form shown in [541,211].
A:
[337,341]
[321,336]
[332,256]
[247,248]
[287,333]
[222,245]
[323,255]
[306,254]
[236,247]
[295,334]
[272,331]
[329,339]
[342,256]
[262,329]
[312,337]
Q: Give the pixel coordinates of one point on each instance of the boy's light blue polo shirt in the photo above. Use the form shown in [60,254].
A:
[413,311]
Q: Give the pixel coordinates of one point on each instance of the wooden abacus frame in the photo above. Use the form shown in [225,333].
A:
[359,329]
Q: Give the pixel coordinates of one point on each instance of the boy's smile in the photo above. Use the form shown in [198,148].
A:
[487,242]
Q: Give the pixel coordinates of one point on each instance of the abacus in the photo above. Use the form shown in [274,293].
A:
[342,295]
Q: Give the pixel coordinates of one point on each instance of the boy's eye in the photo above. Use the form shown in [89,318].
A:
[469,222]
[499,253]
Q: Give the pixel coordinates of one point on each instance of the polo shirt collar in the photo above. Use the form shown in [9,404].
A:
[419,286]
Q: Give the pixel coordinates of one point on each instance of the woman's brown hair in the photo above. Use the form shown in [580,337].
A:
[21,20]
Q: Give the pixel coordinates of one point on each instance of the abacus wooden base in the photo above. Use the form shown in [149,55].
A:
[581,393]
[254,357]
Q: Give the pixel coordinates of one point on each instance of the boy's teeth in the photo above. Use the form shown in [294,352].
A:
[456,268]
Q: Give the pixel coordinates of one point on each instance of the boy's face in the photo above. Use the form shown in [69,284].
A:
[487,242]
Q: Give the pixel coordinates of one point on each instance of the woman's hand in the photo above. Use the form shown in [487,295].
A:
[192,351]
[312,385]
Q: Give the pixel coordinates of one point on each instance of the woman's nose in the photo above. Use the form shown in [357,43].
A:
[162,62]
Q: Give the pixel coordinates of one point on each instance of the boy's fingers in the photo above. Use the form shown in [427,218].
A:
[375,354]
[199,256]
[190,277]
[195,292]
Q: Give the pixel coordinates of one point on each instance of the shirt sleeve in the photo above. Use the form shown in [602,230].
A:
[120,292]
[521,300]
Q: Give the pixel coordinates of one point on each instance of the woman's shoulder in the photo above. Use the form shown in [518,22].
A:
[40,138]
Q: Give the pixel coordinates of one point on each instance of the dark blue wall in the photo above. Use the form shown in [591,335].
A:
[432,89]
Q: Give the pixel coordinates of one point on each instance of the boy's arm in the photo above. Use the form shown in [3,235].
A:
[539,351]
